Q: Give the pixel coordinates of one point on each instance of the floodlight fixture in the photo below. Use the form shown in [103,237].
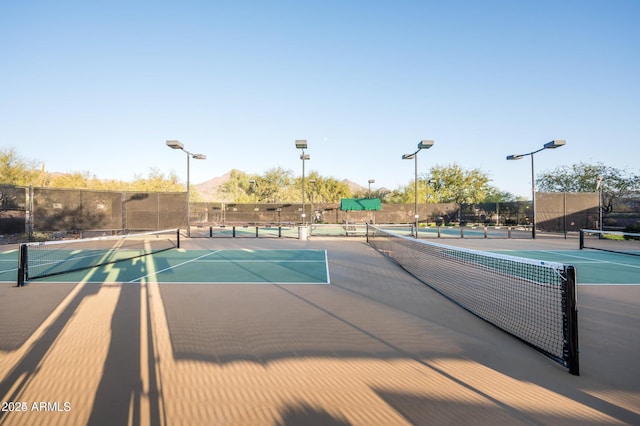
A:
[199,156]
[301,144]
[175,144]
[425,144]
[514,157]
[556,143]
[305,157]
[408,156]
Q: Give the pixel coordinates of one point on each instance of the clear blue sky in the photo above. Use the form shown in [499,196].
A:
[99,86]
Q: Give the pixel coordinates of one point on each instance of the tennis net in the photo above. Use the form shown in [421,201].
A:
[613,241]
[42,259]
[532,300]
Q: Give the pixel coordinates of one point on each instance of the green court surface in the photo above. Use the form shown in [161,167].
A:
[199,267]
[300,267]
[593,267]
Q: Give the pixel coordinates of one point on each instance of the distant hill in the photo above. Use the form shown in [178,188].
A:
[210,189]
[354,187]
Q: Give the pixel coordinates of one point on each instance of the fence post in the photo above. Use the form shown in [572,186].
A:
[22,261]
[123,203]
[29,213]
[572,322]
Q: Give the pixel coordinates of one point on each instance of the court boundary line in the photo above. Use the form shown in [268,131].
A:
[155,273]
[198,260]
[610,284]
[563,253]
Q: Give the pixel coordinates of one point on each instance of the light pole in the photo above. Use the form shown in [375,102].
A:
[556,143]
[253,188]
[312,182]
[302,144]
[423,144]
[173,144]
[255,200]
[599,188]
[370,181]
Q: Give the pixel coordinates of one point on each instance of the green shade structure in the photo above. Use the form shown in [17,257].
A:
[360,204]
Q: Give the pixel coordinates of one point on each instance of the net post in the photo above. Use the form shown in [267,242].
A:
[22,262]
[366,235]
[256,232]
[581,239]
[438,231]
[211,232]
[178,238]
[572,322]
[233,231]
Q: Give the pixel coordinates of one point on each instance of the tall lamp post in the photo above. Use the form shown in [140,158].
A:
[599,188]
[173,144]
[302,145]
[423,144]
[255,199]
[556,143]
[312,183]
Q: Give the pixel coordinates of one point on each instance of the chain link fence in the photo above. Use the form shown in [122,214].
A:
[34,213]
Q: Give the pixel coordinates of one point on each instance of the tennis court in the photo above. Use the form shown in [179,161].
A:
[157,340]
[245,266]
[594,267]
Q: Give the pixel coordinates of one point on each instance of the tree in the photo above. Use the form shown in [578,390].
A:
[77,180]
[157,182]
[495,195]
[15,170]
[324,189]
[583,177]
[450,184]
[275,186]
[381,193]
[237,186]
[453,184]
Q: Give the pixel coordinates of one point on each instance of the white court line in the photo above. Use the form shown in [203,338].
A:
[260,261]
[609,284]
[174,266]
[198,259]
[244,283]
[593,260]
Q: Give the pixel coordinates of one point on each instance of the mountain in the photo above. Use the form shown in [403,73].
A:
[209,189]
[354,187]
